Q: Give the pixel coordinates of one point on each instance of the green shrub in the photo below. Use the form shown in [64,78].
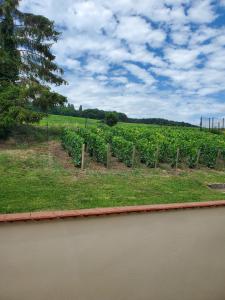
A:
[111,119]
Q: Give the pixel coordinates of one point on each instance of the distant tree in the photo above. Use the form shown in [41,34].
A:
[80,109]
[26,64]
[111,118]
[122,117]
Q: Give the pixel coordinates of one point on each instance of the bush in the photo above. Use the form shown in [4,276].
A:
[72,142]
[111,119]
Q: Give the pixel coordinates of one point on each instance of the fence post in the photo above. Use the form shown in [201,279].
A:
[82,157]
[156,157]
[212,123]
[198,157]
[108,156]
[201,123]
[223,123]
[133,157]
[209,123]
[177,158]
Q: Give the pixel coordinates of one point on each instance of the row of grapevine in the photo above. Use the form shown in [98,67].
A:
[122,149]
[95,144]
[162,143]
[154,145]
[72,142]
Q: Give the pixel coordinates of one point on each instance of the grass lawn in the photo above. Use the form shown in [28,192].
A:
[55,121]
[33,178]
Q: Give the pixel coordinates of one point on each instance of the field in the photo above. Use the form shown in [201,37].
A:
[64,121]
[37,174]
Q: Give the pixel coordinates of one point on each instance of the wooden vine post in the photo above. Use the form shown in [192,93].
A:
[198,158]
[108,163]
[82,157]
[177,158]
[133,157]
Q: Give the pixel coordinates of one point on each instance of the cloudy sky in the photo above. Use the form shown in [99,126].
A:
[147,58]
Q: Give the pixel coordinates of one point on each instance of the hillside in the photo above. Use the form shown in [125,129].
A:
[61,120]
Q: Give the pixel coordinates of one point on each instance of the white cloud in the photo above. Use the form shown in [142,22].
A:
[132,29]
[96,66]
[89,16]
[136,30]
[222,2]
[181,58]
[216,61]
[140,73]
[201,12]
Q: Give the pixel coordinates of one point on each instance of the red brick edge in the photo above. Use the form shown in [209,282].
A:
[49,215]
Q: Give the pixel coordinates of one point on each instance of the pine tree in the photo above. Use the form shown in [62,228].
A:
[27,64]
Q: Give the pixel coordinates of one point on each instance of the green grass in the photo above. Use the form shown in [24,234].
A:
[66,121]
[33,180]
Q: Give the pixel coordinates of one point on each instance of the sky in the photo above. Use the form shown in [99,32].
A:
[147,58]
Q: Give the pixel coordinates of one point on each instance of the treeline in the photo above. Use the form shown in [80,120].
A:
[69,110]
[160,121]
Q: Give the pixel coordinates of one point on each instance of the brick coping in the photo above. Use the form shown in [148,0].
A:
[51,215]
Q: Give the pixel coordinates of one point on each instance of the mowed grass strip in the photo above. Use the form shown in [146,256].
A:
[67,121]
[34,180]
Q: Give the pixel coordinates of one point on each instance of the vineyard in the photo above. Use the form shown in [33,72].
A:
[119,166]
[151,146]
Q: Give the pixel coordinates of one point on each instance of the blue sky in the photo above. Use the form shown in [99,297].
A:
[148,58]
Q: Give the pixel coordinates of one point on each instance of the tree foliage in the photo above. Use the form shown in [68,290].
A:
[91,113]
[111,119]
[25,41]
[94,113]
[27,65]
